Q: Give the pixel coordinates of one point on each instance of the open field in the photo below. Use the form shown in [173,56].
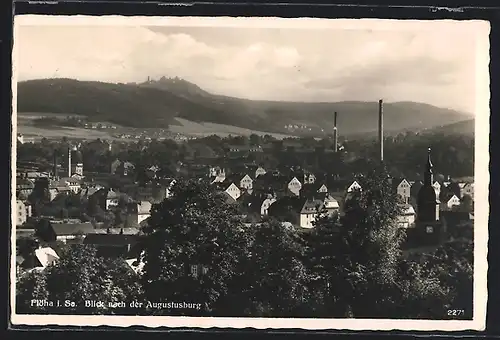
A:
[205,129]
[185,127]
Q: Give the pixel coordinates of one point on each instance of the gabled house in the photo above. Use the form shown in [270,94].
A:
[331,204]
[309,178]
[230,189]
[467,188]
[40,259]
[312,190]
[138,212]
[294,186]
[449,200]
[112,199]
[354,186]
[403,189]
[243,181]
[407,217]
[259,171]
[310,212]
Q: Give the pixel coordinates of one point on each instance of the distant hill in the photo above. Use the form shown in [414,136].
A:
[466,127]
[157,103]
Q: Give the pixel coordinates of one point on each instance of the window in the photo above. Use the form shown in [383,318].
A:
[205,270]
[429,229]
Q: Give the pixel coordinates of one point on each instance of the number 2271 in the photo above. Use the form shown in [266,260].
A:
[456,312]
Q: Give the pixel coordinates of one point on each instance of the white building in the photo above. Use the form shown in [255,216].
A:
[407,217]
[294,186]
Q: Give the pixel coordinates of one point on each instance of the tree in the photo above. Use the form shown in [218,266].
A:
[275,265]
[79,276]
[193,244]
[360,262]
[31,286]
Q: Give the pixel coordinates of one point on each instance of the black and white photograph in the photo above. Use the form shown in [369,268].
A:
[250,172]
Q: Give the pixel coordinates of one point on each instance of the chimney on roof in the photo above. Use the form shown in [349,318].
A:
[381,128]
[335,132]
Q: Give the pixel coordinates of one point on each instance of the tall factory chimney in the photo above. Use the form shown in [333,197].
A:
[55,165]
[335,132]
[381,128]
[69,161]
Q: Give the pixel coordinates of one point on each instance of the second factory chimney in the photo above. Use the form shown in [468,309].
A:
[335,133]
[381,128]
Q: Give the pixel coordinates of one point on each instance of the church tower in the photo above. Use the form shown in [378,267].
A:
[427,200]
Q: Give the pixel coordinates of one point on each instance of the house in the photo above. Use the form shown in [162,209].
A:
[114,245]
[40,259]
[294,186]
[139,212]
[122,168]
[269,183]
[73,183]
[312,190]
[449,200]
[58,188]
[309,178]
[23,211]
[259,204]
[243,181]
[24,187]
[112,199]
[219,178]
[168,184]
[287,208]
[330,204]
[354,186]
[259,171]
[466,189]
[230,189]
[216,171]
[402,187]
[407,217]
[50,231]
[310,212]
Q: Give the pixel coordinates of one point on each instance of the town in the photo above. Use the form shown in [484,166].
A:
[107,204]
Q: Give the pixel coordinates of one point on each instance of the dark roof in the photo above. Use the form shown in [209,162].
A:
[62,229]
[311,206]
[111,239]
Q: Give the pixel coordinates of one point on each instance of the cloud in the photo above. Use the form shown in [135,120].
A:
[326,65]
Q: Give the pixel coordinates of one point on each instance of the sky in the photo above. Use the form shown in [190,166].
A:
[434,66]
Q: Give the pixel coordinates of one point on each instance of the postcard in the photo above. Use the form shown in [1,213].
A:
[238,172]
